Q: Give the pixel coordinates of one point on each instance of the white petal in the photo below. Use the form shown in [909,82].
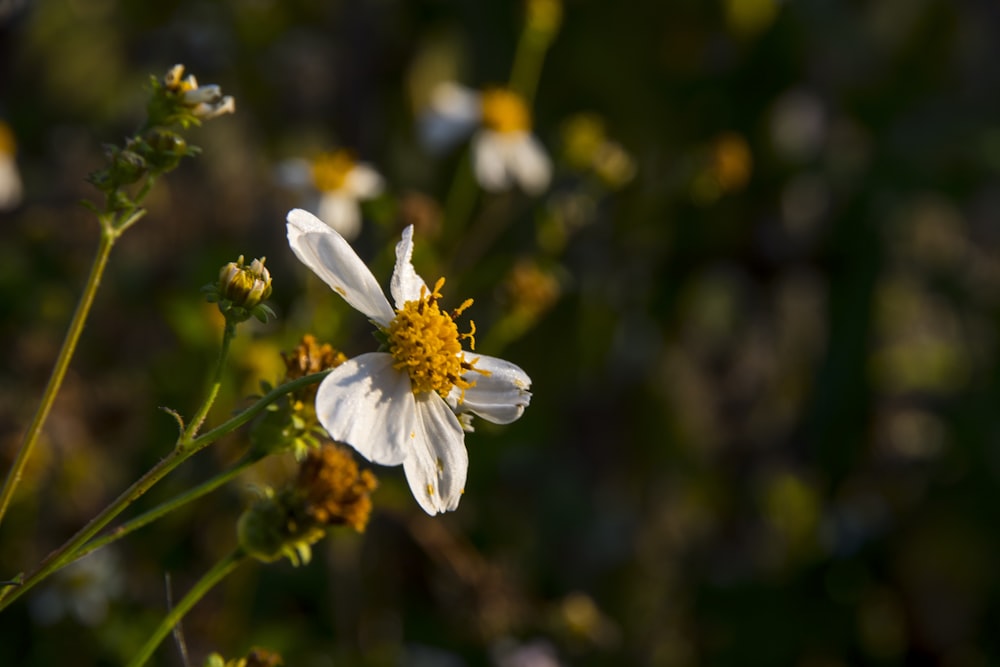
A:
[453,113]
[368,404]
[489,161]
[342,213]
[294,173]
[10,184]
[203,94]
[332,259]
[530,164]
[440,133]
[405,284]
[499,397]
[456,102]
[438,462]
[363,182]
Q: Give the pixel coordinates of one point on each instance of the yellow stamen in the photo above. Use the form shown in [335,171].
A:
[505,111]
[330,170]
[425,342]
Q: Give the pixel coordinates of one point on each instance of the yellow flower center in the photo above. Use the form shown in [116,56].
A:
[425,342]
[505,111]
[8,146]
[330,170]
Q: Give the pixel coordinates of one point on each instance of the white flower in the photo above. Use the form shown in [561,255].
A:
[206,102]
[399,406]
[338,183]
[11,189]
[504,151]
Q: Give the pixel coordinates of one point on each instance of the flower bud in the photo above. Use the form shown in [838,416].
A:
[240,291]
[245,286]
[203,102]
[164,149]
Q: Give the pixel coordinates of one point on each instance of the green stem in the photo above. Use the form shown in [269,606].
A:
[174,616]
[527,68]
[59,370]
[461,198]
[111,229]
[213,391]
[162,510]
[66,552]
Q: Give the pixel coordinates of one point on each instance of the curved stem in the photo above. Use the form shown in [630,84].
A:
[162,510]
[174,616]
[63,554]
[59,370]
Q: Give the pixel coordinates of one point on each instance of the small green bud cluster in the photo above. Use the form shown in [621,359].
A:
[275,527]
[257,657]
[241,290]
[175,103]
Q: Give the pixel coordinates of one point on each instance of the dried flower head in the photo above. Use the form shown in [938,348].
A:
[330,490]
[336,491]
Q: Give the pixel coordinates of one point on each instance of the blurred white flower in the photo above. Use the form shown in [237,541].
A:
[504,151]
[83,590]
[400,406]
[798,125]
[335,184]
[537,653]
[11,189]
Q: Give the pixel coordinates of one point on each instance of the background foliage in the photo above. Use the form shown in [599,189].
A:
[764,426]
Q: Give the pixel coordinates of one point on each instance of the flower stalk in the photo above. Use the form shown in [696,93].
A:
[59,369]
[219,572]
[162,510]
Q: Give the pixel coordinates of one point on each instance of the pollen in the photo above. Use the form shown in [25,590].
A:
[425,342]
[330,170]
[505,111]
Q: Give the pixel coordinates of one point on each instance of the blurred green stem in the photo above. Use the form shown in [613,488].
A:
[527,67]
[461,198]
[108,237]
[174,616]
[162,510]
[113,224]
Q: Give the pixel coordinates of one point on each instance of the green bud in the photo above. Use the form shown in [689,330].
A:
[127,167]
[245,286]
[164,149]
[240,291]
[275,527]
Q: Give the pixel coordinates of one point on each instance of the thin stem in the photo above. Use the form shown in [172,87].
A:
[197,592]
[63,554]
[213,392]
[177,502]
[59,370]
